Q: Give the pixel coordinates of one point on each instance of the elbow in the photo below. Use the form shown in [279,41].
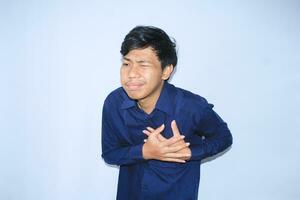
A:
[108,159]
[229,140]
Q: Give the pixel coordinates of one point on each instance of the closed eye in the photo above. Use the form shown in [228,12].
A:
[144,65]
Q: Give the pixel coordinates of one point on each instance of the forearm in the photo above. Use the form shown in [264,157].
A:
[123,155]
[212,145]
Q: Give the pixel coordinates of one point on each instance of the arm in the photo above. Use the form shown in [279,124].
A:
[113,151]
[217,136]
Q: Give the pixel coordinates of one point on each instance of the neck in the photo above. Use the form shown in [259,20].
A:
[146,107]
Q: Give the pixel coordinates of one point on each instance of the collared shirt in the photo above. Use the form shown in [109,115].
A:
[122,141]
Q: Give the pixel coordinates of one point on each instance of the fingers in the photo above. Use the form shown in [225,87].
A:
[173,140]
[162,127]
[174,149]
[174,160]
[176,155]
[159,130]
[148,133]
[175,128]
[176,138]
[161,138]
[150,129]
[178,147]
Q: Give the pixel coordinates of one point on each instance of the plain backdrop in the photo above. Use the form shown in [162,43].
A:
[59,59]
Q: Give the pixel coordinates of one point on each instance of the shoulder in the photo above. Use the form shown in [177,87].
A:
[114,98]
[191,99]
[191,104]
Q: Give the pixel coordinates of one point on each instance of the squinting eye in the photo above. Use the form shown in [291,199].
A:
[125,64]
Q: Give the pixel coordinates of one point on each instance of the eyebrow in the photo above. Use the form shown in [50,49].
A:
[124,58]
[138,61]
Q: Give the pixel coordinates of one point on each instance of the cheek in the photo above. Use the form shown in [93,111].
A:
[148,73]
[122,74]
[152,76]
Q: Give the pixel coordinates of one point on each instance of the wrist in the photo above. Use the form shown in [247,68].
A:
[145,152]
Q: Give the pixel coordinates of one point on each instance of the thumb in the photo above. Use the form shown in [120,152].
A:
[175,128]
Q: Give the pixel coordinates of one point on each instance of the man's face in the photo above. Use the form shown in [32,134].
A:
[141,74]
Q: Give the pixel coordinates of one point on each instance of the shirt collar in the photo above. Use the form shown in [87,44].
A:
[166,99]
[164,103]
[127,103]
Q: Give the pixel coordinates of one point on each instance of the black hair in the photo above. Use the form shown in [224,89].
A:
[142,37]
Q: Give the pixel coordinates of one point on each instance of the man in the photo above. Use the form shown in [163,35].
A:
[157,133]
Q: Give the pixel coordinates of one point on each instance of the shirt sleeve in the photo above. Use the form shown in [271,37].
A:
[113,151]
[216,136]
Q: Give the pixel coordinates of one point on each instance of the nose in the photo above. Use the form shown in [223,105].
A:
[133,72]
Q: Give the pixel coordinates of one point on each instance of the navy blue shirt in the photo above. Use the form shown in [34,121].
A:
[122,141]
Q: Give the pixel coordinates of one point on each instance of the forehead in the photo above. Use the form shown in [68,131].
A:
[146,54]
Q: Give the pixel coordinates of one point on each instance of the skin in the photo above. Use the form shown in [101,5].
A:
[142,77]
[179,147]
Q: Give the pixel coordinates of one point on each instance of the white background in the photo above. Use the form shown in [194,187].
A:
[59,59]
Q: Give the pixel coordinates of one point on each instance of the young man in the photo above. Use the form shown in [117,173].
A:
[157,133]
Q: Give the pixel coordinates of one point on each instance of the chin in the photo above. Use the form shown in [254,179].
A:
[134,95]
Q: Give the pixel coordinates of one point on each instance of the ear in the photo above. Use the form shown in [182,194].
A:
[167,72]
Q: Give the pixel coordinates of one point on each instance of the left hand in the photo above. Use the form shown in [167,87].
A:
[175,130]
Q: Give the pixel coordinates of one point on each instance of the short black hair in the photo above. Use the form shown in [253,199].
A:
[142,37]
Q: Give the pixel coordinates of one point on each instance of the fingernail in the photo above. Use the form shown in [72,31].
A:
[144,131]
[182,136]
[187,144]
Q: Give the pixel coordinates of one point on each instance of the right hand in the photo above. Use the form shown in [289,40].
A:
[159,148]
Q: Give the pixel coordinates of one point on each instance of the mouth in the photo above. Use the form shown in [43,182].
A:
[133,86]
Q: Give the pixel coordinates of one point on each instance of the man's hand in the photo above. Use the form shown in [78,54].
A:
[158,147]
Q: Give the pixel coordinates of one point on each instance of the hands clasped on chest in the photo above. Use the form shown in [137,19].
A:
[157,147]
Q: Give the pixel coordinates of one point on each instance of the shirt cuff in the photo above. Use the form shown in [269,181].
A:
[136,152]
[197,152]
